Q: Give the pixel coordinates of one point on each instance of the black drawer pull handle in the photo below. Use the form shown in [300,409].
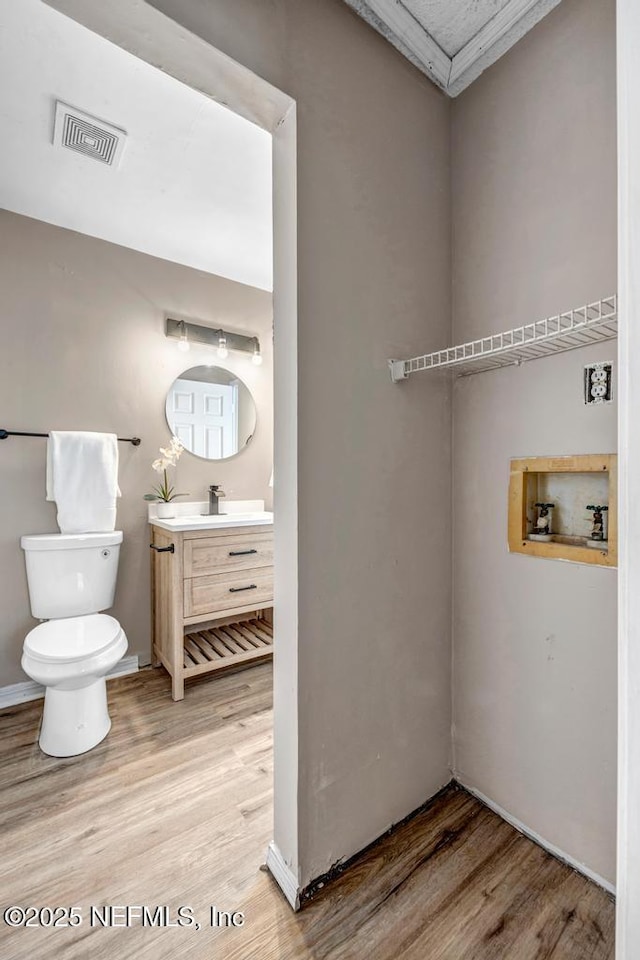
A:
[241,553]
[169,549]
[253,586]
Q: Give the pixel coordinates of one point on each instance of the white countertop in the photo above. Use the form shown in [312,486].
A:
[195,516]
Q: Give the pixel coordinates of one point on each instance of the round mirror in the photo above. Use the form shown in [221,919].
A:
[211,412]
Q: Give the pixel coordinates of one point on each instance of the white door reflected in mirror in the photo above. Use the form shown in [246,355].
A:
[211,412]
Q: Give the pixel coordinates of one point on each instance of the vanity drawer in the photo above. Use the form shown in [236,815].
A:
[213,555]
[204,596]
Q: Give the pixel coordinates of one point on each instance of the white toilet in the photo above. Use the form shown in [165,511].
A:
[71,578]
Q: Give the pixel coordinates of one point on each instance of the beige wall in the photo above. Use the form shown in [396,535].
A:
[534,232]
[84,349]
[374,488]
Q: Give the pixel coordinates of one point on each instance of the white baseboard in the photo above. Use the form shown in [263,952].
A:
[16,693]
[283,875]
[532,835]
[124,667]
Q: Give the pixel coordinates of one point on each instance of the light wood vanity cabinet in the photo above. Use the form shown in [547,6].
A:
[210,594]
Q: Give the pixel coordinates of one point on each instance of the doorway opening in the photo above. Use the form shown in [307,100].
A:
[227,86]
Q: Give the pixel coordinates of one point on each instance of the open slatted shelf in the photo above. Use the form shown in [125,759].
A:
[581,327]
[224,647]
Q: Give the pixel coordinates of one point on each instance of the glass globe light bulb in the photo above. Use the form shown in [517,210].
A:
[183,342]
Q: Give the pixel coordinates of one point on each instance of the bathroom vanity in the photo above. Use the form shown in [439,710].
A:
[212,592]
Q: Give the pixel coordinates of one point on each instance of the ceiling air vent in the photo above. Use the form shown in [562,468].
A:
[85,134]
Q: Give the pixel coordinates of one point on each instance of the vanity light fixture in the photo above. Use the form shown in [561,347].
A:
[183,342]
[188,333]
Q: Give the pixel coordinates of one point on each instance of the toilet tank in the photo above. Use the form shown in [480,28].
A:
[70,575]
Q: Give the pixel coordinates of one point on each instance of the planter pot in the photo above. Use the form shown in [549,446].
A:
[166,510]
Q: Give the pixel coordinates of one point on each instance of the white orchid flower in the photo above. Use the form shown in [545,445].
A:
[172,452]
[165,491]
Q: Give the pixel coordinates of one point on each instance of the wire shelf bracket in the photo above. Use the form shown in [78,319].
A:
[582,327]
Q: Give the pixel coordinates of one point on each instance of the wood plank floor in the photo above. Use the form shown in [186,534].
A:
[175,808]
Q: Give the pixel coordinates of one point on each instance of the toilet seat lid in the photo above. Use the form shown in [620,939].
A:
[72,638]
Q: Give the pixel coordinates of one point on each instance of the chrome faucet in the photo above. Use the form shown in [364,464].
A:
[214,499]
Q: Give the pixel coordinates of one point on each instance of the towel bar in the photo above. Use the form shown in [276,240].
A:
[18,433]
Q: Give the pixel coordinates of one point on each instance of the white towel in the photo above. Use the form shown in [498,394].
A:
[82,478]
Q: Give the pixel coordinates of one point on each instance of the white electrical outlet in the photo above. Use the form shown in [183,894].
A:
[598,383]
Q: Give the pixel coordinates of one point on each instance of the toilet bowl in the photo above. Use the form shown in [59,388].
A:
[72,578]
[70,658]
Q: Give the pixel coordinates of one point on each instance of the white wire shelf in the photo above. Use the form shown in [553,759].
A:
[593,323]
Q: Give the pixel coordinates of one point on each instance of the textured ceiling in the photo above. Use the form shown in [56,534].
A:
[453,23]
[453,41]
